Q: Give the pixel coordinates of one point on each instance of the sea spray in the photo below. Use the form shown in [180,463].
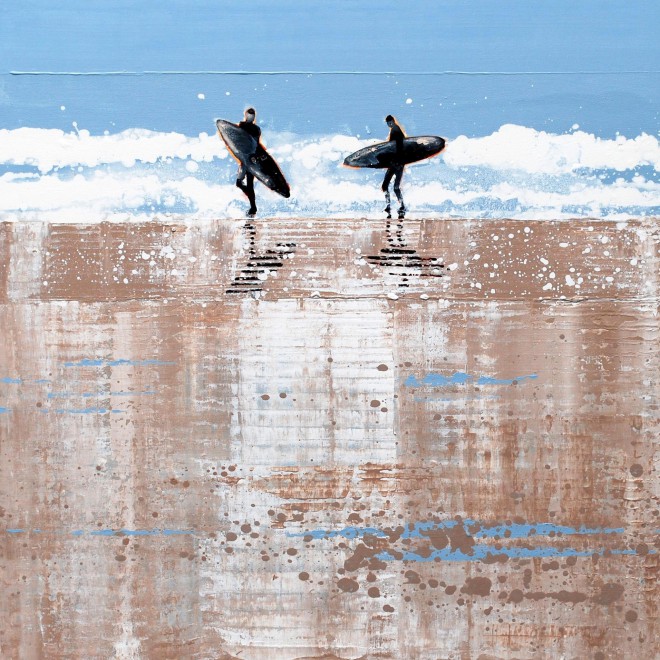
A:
[517,172]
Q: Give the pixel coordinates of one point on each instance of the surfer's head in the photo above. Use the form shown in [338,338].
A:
[390,121]
[250,114]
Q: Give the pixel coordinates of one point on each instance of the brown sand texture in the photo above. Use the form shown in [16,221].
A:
[337,439]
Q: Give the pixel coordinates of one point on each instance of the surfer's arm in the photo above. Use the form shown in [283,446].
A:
[397,137]
[399,144]
[260,147]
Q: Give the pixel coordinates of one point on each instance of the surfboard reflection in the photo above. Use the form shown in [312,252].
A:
[403,261]
[259,266]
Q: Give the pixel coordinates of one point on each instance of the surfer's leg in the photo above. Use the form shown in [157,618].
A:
[397,187]
[249,191]
[242,172]
[386,187]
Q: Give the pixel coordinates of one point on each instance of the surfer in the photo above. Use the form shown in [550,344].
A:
[396,169]
[394,154]
[250,127]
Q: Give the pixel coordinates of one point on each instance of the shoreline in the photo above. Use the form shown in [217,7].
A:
[302,258]
[241,217]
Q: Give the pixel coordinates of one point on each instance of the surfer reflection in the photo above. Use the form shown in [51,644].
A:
[249,125]
[396,168]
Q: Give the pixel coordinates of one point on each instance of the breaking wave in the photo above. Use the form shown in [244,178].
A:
[516,172]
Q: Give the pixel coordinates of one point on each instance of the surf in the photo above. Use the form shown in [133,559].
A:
[516,172]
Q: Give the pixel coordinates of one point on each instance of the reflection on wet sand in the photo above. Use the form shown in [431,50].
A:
[456,472]
[259,267]
[403,260]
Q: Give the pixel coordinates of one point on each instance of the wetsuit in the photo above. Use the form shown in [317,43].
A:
[396,169]
[248,190]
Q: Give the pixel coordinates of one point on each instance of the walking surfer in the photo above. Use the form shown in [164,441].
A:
[394,154]
[242,142]
[249,126]
[396,168]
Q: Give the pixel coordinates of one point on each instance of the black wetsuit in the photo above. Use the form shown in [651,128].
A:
[396,169]
[248,190]
[251,128]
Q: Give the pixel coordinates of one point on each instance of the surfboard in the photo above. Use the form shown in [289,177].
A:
[244,148]
[383,154]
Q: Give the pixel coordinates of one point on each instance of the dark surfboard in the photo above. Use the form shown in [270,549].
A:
[257,160]
[383,154]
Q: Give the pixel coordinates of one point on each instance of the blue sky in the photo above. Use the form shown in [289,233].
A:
[586,62]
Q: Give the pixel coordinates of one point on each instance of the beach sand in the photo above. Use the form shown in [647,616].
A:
[296,438]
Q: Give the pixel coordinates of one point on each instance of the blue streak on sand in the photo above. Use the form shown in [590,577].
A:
[447,399]
[417,530]
[10,381]
[347,533]
[115,532]
[519,530]
[478,552]
[85,411]
[87,362]
[91,395]
[4,410]
[461,378]
[137,532]
[481,552]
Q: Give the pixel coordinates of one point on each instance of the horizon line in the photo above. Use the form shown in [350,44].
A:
[338,72]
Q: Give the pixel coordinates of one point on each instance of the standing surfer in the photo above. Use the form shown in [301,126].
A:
[249,126]
[396,168]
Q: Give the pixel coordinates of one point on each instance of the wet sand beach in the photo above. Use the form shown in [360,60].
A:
[319,438]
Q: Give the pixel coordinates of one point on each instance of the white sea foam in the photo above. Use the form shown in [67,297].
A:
[49,149]
[515,172]
[537,152]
